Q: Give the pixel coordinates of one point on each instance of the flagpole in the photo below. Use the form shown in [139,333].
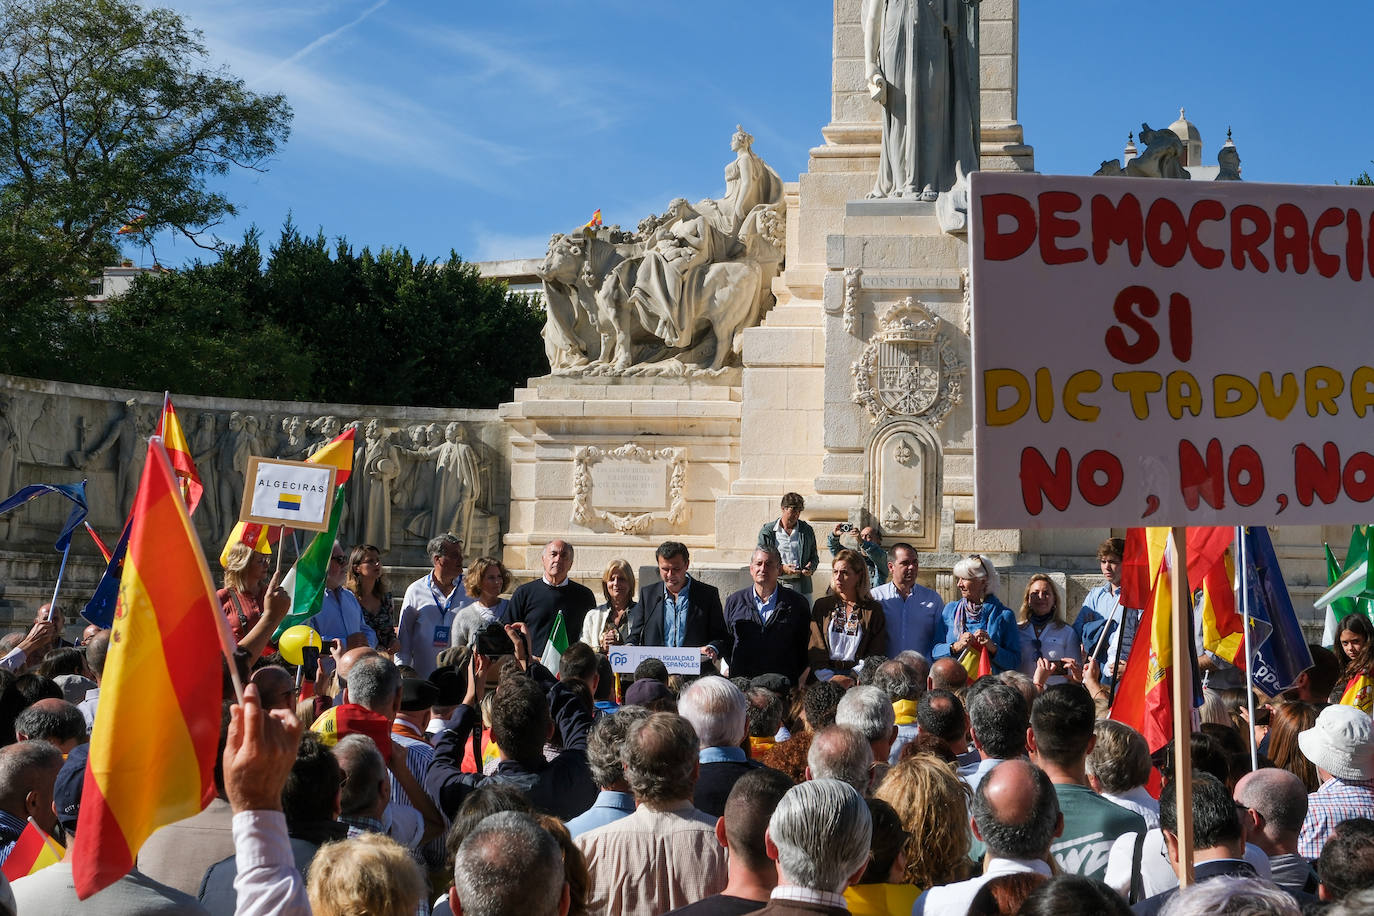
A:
[1181,673]
[52,605]
[1243,561]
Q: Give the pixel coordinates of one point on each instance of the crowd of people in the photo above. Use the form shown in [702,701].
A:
[841,755]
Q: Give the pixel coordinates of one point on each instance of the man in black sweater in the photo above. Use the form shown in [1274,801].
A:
[536,604]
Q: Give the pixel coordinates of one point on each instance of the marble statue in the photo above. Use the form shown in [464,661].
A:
[295,447]
[674,299]
[202,442]
[127,436]
[922,63]
[1162,158]
[9,457]
[1229,160]
[229,482]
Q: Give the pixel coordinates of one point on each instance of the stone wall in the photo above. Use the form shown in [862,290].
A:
[412,479]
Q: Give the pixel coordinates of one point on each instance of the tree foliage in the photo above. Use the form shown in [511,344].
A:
[316,322]
[108,118]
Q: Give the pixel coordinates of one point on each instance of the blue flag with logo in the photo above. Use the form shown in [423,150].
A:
[1276,639]
[100,610]
[76,492]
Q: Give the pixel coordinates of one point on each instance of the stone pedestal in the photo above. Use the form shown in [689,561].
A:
[617,466]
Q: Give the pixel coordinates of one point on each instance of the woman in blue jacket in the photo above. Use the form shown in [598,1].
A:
[978,618]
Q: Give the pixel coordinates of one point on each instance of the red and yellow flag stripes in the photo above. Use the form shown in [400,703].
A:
[152,751]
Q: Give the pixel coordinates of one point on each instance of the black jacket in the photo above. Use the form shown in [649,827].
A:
[777,647]
[705,619]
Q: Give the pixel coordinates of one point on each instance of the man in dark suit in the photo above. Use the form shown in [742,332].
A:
[769,624]
[678,611]
[833,853]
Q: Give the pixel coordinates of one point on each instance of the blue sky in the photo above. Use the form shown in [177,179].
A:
[484,127]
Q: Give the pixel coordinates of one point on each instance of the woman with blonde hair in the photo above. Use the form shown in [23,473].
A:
[933,805]
[847,625]
[978,620]
[486,579]
[368,585]
[1045,634]
[608,624]
[252,605]
[369,873]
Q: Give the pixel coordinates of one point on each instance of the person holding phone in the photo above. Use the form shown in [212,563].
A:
[1044,632]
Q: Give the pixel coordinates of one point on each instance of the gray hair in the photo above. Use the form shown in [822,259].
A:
[1356,903]
[976,566]
[899,681]
[823,831]
[916,662]
[1226,895]
[51,720]
[24,767]
[1028,840]
[999,717]
[1278,795]
[373,683]
[660,758]
[841,752]
[436,544]
[869,710]
[363,769]
[509,866]
[1121,759]
[605,742]
[717,709]
[769,550]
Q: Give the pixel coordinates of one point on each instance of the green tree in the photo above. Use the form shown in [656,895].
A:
[109,117]
[1364,180]
[315,322]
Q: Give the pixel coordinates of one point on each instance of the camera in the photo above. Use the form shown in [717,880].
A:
[493,642]
[845,526]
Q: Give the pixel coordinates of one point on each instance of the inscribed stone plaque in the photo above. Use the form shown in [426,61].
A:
[629,484]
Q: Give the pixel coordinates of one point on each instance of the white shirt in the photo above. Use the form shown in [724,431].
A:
[426,623]
[1156,871]
[955,898]
[789,545]
[1139,801]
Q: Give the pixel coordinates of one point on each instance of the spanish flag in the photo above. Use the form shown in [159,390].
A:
[1143,694]
[152,752]
[33,851]
[338,452]
[976,662]
[133,226]
[174,440]
[1359,693]
[595,221]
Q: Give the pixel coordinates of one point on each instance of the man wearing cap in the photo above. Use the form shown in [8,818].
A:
[769,624]
[1341,746]
[652,694]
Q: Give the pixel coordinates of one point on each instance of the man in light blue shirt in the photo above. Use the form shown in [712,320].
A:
[1102,608]
[614,801]
[911,610]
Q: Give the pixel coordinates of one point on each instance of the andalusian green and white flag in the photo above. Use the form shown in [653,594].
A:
[305,582]
[556,646]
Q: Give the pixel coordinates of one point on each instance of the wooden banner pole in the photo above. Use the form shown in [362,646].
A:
[1182,674]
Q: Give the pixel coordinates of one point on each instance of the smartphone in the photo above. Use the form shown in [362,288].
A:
[493,642]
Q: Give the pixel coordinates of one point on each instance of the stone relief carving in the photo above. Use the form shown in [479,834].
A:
[909,367]
[672,299]
[922,66]
[853,279]
[584,513]
[903,482]
[411,479]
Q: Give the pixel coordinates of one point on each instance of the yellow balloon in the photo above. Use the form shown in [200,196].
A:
[293,642]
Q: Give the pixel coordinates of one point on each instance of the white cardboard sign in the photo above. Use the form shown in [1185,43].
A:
[1163,352]
[297,494]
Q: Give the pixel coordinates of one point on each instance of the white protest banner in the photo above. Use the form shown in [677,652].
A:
[1157,352]
[297,494]
[625,659]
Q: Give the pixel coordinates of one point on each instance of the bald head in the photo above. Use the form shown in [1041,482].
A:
[352,657]
[276,687]
[947,674]
[1279,797]
[1016,811]
[55,721]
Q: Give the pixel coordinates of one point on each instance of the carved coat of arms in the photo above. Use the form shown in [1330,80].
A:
[908,368]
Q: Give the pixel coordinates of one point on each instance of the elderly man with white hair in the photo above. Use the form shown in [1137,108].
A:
[719,712]
[819,836]
[869,710]
[978,620]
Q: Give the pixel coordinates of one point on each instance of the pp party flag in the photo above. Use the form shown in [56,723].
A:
[76,492]
[1277,643]
[305,582]
[33,851]
[152,750]
[174,440]
[338,452]
[100,610]
[1359,693]
[557,644]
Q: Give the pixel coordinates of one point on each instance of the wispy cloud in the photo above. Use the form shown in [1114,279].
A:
[327,37]
[497,246]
